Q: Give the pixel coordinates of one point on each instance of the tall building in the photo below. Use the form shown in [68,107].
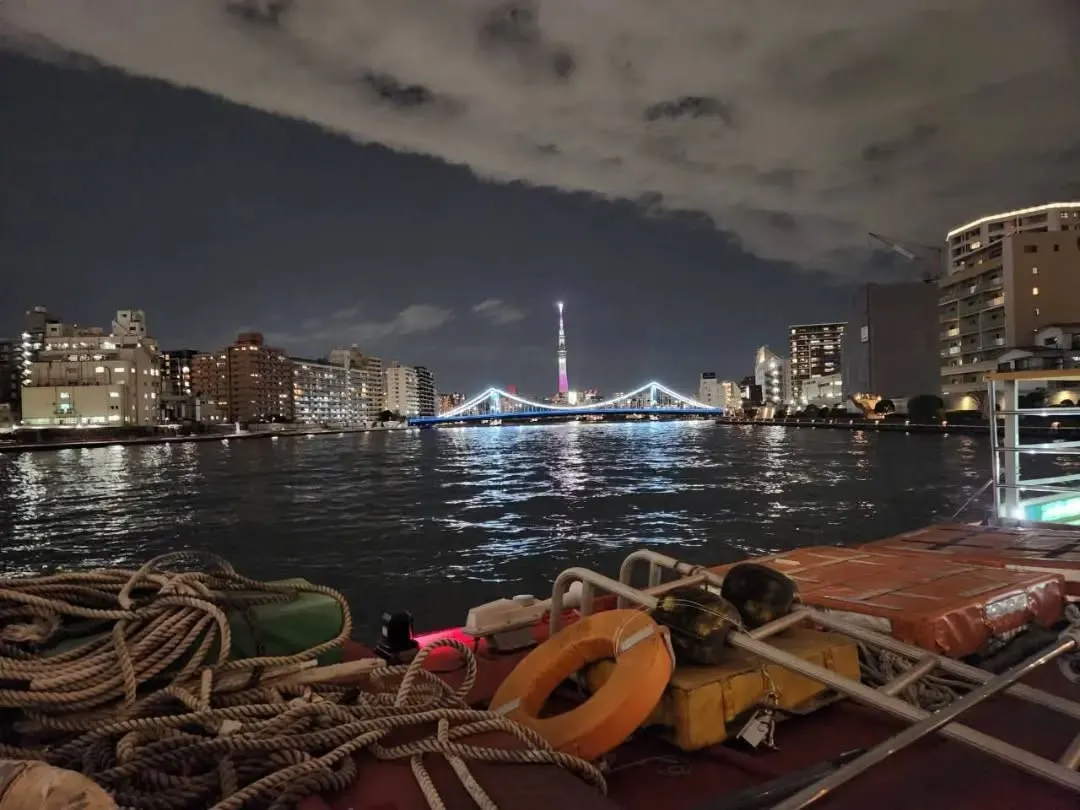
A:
[772,375]
[402,391]
[31,339]
[814,349]
[177,398]
[247,381]
[564,380]
[326,394]
[891,345]
[1006,276]
[85,377]
[10,372]
[372,379]
[425,392]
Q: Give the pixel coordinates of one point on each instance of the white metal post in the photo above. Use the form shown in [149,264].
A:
[995,458]
[1012,456]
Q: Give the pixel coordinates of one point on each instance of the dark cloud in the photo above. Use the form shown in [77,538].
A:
[870,115]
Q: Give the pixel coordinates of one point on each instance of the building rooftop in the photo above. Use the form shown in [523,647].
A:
[1019,212]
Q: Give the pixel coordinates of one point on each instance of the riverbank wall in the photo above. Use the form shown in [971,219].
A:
[131,441]
[903,426]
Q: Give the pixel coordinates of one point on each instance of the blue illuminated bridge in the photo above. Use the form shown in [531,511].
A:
[495,406]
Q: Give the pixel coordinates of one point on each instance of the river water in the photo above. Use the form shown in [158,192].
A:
[436,521]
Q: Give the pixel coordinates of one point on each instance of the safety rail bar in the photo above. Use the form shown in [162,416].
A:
[942,720]
[590,581]
[658,563]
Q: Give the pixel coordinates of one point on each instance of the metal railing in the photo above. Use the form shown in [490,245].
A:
[1010,504]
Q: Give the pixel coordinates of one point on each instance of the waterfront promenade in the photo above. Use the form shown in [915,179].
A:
[117,441]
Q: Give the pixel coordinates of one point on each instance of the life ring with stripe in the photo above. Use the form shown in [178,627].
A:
[643,666]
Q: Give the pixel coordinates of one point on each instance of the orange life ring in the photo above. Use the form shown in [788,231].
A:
[643,666]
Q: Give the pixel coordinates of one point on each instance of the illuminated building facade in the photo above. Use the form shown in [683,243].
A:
[372,379]
[326,394]
[772,374]
[814,349]
[1006,277]
[248,382]
[425,391]
[402,390]
[85,377]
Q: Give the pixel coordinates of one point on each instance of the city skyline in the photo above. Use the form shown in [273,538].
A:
[219,218]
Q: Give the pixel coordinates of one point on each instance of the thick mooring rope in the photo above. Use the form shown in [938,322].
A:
[154,710]
[931,692]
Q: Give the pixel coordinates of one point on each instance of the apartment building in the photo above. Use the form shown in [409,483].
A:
[890,348]
[425,391]
[1007,276]
[178,403]
[326,394]
[814,350]
[248,382]
[773,375]
[10,373]
[15,370]
[402,390]
[85,377]
[717,393]
[372,379]
[447,402]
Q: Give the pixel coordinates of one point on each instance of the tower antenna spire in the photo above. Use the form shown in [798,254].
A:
[564,384]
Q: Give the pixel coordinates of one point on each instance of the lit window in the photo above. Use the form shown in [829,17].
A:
[65,395]
[100,370]
[1034,290]
[1034,271]
[114,394]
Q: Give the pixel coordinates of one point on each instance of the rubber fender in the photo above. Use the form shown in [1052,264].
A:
[699,622]
[37,786]
[759,593]
[643,667]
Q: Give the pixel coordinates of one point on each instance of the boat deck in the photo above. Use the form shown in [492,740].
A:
[647,773]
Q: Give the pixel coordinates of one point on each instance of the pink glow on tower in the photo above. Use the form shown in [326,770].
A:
[564,384]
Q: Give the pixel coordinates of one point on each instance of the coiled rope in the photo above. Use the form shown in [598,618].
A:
[931,692]
[153,709]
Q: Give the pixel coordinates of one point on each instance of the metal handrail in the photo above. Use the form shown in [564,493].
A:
[1050,411]
[590,581]
[658,563]
[939,721]
[876,698]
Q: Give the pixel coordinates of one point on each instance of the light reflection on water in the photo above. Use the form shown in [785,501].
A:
[440,520]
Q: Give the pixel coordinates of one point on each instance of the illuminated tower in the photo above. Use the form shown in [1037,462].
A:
[564,385]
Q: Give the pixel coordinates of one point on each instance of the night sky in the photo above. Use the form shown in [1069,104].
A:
[214,217]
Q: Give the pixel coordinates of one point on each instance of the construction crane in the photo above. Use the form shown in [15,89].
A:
[929,258]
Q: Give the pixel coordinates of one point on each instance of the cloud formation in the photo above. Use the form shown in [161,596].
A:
[498,312]
[342,328]
[797,126]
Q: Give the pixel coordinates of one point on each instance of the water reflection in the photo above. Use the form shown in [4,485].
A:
[394,519]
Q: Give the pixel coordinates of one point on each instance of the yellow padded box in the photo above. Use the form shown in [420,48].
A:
[704,705]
